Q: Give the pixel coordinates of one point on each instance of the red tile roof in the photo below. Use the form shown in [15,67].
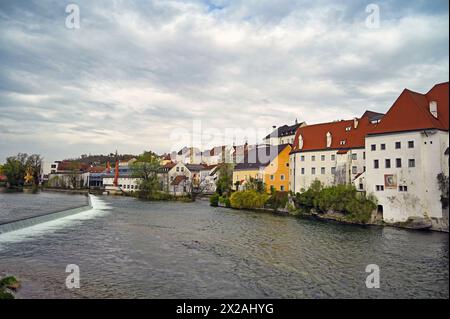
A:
[169,165]
[178,179]
[96,169]
[411,112]
[315,135]
[69,166]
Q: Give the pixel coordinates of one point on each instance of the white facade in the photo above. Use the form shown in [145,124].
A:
[327,166]
[126,184]
[405,182]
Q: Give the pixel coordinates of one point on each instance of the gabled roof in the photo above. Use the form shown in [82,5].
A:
[260,157]
[169,165]
[344,135]
[177,180]
[410,112]
[195,167]
[285,130]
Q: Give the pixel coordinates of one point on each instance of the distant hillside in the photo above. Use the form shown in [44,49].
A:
[101,159]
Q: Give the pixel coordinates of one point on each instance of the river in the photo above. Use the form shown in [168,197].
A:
[126,248]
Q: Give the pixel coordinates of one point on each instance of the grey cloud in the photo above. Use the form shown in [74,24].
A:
[138,70]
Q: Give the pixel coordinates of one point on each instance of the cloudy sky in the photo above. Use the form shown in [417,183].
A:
[135,72]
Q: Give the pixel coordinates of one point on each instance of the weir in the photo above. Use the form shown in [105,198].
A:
[43,218]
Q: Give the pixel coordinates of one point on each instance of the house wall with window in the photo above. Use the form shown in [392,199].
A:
[330,167]
[276,174]
[402,172]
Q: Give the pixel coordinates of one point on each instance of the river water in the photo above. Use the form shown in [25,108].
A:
[126,248]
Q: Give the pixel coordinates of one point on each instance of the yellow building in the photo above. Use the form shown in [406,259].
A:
[269,164]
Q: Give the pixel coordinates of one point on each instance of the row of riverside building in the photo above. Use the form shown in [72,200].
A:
[396,156]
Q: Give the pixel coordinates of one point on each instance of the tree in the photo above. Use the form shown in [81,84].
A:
[255,184]
[34,164]
[15,170]
[225,180]
[146,169]
[74,174]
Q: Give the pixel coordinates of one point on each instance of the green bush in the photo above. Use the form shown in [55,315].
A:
[277,200]
[214,200]
[340,198]
[248,199]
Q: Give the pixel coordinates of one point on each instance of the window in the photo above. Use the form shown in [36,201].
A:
[387,163]
[342,142]
[272,177]
[302,158]
[282,188]
[398,145]
[182,169]
[322,170]
[322,157]
[403,188]
[364,155]
[364,168]
[333,170]
[354,156]
[313,158]
[431,142]
[287,164]
[375,164]
[303,171]
[379,188]
[282,177]
[348,128]
[411,162]
[333,157]
[398,162]
[410,144]
[383,146]
[178,169]
[354,169]
[313,170]
[373,147]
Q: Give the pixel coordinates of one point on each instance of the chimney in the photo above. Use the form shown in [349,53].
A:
[433,109]
[355,122]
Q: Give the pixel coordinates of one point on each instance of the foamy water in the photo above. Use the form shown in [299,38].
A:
[99,208]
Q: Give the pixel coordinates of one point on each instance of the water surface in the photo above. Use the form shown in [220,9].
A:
[137,249]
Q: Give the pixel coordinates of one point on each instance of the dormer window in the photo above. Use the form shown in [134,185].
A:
[329,139]
[433,109]
[348,128]
[300,142]
[342,142]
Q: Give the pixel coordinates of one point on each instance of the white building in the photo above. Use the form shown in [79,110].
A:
[333,153]
[406,152]
[181,177]
[283,135]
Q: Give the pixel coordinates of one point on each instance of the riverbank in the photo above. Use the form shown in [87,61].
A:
[341,218]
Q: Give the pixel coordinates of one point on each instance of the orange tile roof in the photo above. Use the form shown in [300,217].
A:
[410,112]
[315,135]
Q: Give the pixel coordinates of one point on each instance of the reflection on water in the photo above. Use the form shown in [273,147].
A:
[139,249]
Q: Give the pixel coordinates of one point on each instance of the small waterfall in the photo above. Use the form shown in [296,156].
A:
[51,221]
